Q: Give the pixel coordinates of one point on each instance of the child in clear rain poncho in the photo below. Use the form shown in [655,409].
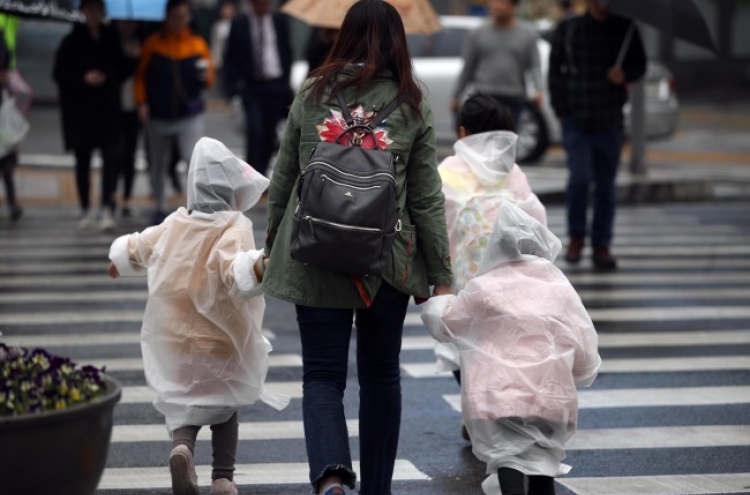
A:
[525,341]
[482,172]
[203,351]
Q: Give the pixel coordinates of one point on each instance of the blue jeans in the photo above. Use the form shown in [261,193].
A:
[592,156]
[325,335]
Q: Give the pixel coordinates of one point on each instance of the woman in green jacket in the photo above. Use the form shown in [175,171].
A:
[371,65]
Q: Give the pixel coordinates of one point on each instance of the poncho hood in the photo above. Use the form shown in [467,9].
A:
[219,181]
[516,235]
[490,155]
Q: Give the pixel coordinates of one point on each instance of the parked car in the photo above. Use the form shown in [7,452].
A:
[438,63]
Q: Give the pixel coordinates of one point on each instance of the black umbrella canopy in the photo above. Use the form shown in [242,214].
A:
[682,18]
[55,10]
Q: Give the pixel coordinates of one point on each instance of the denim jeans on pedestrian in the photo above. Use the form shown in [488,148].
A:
[325,335]
[592,156]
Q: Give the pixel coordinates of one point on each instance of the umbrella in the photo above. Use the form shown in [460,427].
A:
[681,18]
[142,10]
[56,10]
[418,15]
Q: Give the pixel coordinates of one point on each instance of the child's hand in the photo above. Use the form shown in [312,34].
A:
[112,270]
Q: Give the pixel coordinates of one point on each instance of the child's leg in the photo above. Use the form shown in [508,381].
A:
[185,436]
[511,481]
[181,461]
[541,485]
[224,445]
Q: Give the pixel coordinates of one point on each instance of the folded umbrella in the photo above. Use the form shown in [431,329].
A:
[680,18]
[418,15]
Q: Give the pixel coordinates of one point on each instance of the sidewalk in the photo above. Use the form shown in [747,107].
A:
[708,158]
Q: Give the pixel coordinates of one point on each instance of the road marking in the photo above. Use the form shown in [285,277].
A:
[86,339]
[670,313]
[641,365]
[621,340]
[257,430]
[644,314]
[244,474]
[144,395]
[658,278]
[687,484]
[136,364]
[649,397]
[66,296]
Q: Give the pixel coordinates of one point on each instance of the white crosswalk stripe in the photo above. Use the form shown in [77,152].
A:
[679,306]
[245,474]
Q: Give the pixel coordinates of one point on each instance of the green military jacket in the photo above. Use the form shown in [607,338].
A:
[420,256]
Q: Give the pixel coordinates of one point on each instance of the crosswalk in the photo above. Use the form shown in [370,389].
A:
[669,413]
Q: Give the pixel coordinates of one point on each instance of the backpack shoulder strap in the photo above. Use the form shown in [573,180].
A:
[344,108]
[384,113]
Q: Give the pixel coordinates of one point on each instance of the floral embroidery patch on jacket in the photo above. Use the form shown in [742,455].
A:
[334,125]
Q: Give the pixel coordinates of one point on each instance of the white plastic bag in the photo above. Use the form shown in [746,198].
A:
[13,124]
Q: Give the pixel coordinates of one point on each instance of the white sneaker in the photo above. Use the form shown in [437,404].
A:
[86,222]
[107,221]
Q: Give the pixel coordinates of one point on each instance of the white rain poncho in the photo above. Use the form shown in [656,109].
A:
[203,351]
[526,342]
[476,179]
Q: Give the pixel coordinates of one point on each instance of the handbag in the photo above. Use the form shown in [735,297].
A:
[13,124]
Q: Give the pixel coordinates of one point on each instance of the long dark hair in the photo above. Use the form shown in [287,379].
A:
[372,35]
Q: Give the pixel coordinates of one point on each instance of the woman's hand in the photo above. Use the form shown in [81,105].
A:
[442,290]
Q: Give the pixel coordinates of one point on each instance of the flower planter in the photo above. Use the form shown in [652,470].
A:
[57,452]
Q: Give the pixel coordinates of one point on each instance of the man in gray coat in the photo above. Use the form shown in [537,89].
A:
[498,56]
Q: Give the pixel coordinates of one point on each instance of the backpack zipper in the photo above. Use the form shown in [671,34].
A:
[377,174]
[325,177]
[312,220]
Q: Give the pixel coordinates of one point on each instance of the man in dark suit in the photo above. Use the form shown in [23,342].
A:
[257,65]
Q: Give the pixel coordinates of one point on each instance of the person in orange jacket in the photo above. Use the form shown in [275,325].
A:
[174,68]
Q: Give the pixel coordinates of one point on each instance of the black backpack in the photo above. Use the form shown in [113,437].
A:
[347,216]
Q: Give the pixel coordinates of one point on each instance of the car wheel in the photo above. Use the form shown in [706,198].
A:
[533,135]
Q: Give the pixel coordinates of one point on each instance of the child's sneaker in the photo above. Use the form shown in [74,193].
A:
[182,468]
[223,486]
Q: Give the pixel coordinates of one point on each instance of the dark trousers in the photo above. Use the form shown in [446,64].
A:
[592,157]
[223,445]
[110,172]
[325,335]
[131,127]
[7,169]
[512,481]
[264,104]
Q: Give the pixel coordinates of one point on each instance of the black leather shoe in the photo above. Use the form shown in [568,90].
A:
[575,248]
[603,259]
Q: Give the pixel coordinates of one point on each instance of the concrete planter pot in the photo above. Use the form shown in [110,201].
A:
[58,452]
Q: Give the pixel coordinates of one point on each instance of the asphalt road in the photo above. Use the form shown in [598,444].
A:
[669,413]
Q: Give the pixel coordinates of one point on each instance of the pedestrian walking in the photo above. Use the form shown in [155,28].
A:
[498,57]
[131,126]
[593,59]
[370,67]
[9,160]
[476,180]
[88,70]
[203,351]
[257,67]
[174,69]
[526,343]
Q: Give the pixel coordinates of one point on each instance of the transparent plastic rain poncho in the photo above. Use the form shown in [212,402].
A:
[526,342]
[476,179]
[203,351]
